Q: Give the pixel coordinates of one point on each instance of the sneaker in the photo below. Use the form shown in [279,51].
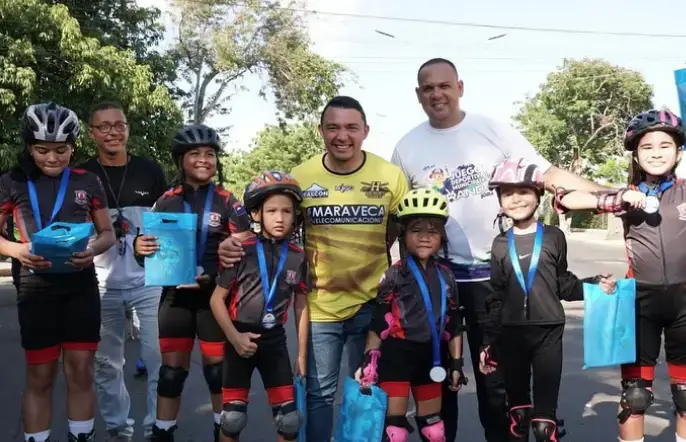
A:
[90,437]
[115,436]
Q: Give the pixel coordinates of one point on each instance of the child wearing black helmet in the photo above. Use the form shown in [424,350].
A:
[185,310]
[251,302]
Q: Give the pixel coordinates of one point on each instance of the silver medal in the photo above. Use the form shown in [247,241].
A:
[268,321]
[652,204]
[437,374]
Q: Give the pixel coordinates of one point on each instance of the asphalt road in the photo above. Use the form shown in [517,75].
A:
[588,399]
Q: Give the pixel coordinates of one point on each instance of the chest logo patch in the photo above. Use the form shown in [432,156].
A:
[80,197]
[681,209]
[375,189]
[214,219]
[290,276]
[316,191]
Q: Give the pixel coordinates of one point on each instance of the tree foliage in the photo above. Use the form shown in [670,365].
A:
[45,57]
[275,148]
[222,41]
[578,117]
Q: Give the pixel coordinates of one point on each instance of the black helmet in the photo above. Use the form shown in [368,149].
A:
[652,120]
[49,122]
[192,136]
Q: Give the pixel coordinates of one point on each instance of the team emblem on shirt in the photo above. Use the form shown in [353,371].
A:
[375,189]
[290,277]
[214,219]
[80,197]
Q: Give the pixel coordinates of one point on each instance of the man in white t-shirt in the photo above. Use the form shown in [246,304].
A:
[455,152]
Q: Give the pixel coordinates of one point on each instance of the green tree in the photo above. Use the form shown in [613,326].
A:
[275,148]
[578,117]
[126,25]
[221,41]
[45,57]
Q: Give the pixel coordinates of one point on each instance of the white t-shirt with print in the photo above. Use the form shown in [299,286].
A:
[458,163]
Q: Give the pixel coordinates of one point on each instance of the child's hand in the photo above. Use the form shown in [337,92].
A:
[634,198]
[486,363]
[608,283]
[244,344]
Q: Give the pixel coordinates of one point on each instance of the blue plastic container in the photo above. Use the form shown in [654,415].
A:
[301,403]
[58,242]
[610,325]
[362,415]
[175,263]
[680,80]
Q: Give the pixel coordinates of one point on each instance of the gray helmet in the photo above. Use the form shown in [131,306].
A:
[192,136]
[49,122]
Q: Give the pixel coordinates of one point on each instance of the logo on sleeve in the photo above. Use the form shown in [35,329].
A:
[214,219]
[238,208]
[80,197]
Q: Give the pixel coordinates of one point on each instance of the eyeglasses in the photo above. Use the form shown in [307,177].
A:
[105,128]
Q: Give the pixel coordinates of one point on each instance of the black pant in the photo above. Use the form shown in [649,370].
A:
[522,348]
[490,390]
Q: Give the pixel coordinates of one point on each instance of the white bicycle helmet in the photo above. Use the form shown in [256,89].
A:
[49,122]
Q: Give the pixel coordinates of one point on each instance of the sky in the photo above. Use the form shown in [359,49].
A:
[497,73]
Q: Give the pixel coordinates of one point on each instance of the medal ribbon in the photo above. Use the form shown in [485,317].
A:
[533,265]
[268,290]
[59,200]
[435,337]
[205,219]
[643,187]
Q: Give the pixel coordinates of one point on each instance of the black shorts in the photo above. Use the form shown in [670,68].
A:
[271,360]
[404,365]
[185,314]
[659,309]
[58,311]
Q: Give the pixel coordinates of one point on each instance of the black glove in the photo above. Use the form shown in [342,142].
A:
[456,367]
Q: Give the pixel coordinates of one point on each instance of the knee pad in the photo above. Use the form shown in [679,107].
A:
[520,419]
[545,430]
[287,420]
[170,383]
[679,398]
[636,398]
[397,429]
[213,377]
[234,419]
[431,428]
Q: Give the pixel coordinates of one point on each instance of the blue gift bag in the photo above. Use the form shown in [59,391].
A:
[300,402]
[58,242]
[175,263]
[362,415]
[680,79]
[610,325]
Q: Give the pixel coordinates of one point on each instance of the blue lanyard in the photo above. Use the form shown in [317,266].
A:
[533,265]
[266,288]
[435,339]
[59,200]
[204,229]
[643,187]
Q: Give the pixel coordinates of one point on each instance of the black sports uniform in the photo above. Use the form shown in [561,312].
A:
[55,310]
[246,304]
[526,330]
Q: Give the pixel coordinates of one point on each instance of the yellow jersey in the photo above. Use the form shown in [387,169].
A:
[345,224]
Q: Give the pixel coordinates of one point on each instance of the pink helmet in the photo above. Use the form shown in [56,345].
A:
[518,172]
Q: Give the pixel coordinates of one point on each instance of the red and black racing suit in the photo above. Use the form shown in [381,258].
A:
[400,320]
[246,305]
[526,330]
[185,313]
[56,310]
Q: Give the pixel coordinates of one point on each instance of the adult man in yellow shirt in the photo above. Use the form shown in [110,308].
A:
[349,198]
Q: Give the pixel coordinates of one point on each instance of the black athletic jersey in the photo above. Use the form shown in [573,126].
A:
[141,182]
[246,302]
[552,282]
[227,215]
[84,196]
[400,311]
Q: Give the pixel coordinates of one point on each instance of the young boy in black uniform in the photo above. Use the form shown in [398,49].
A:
[251,303]
[529,277]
